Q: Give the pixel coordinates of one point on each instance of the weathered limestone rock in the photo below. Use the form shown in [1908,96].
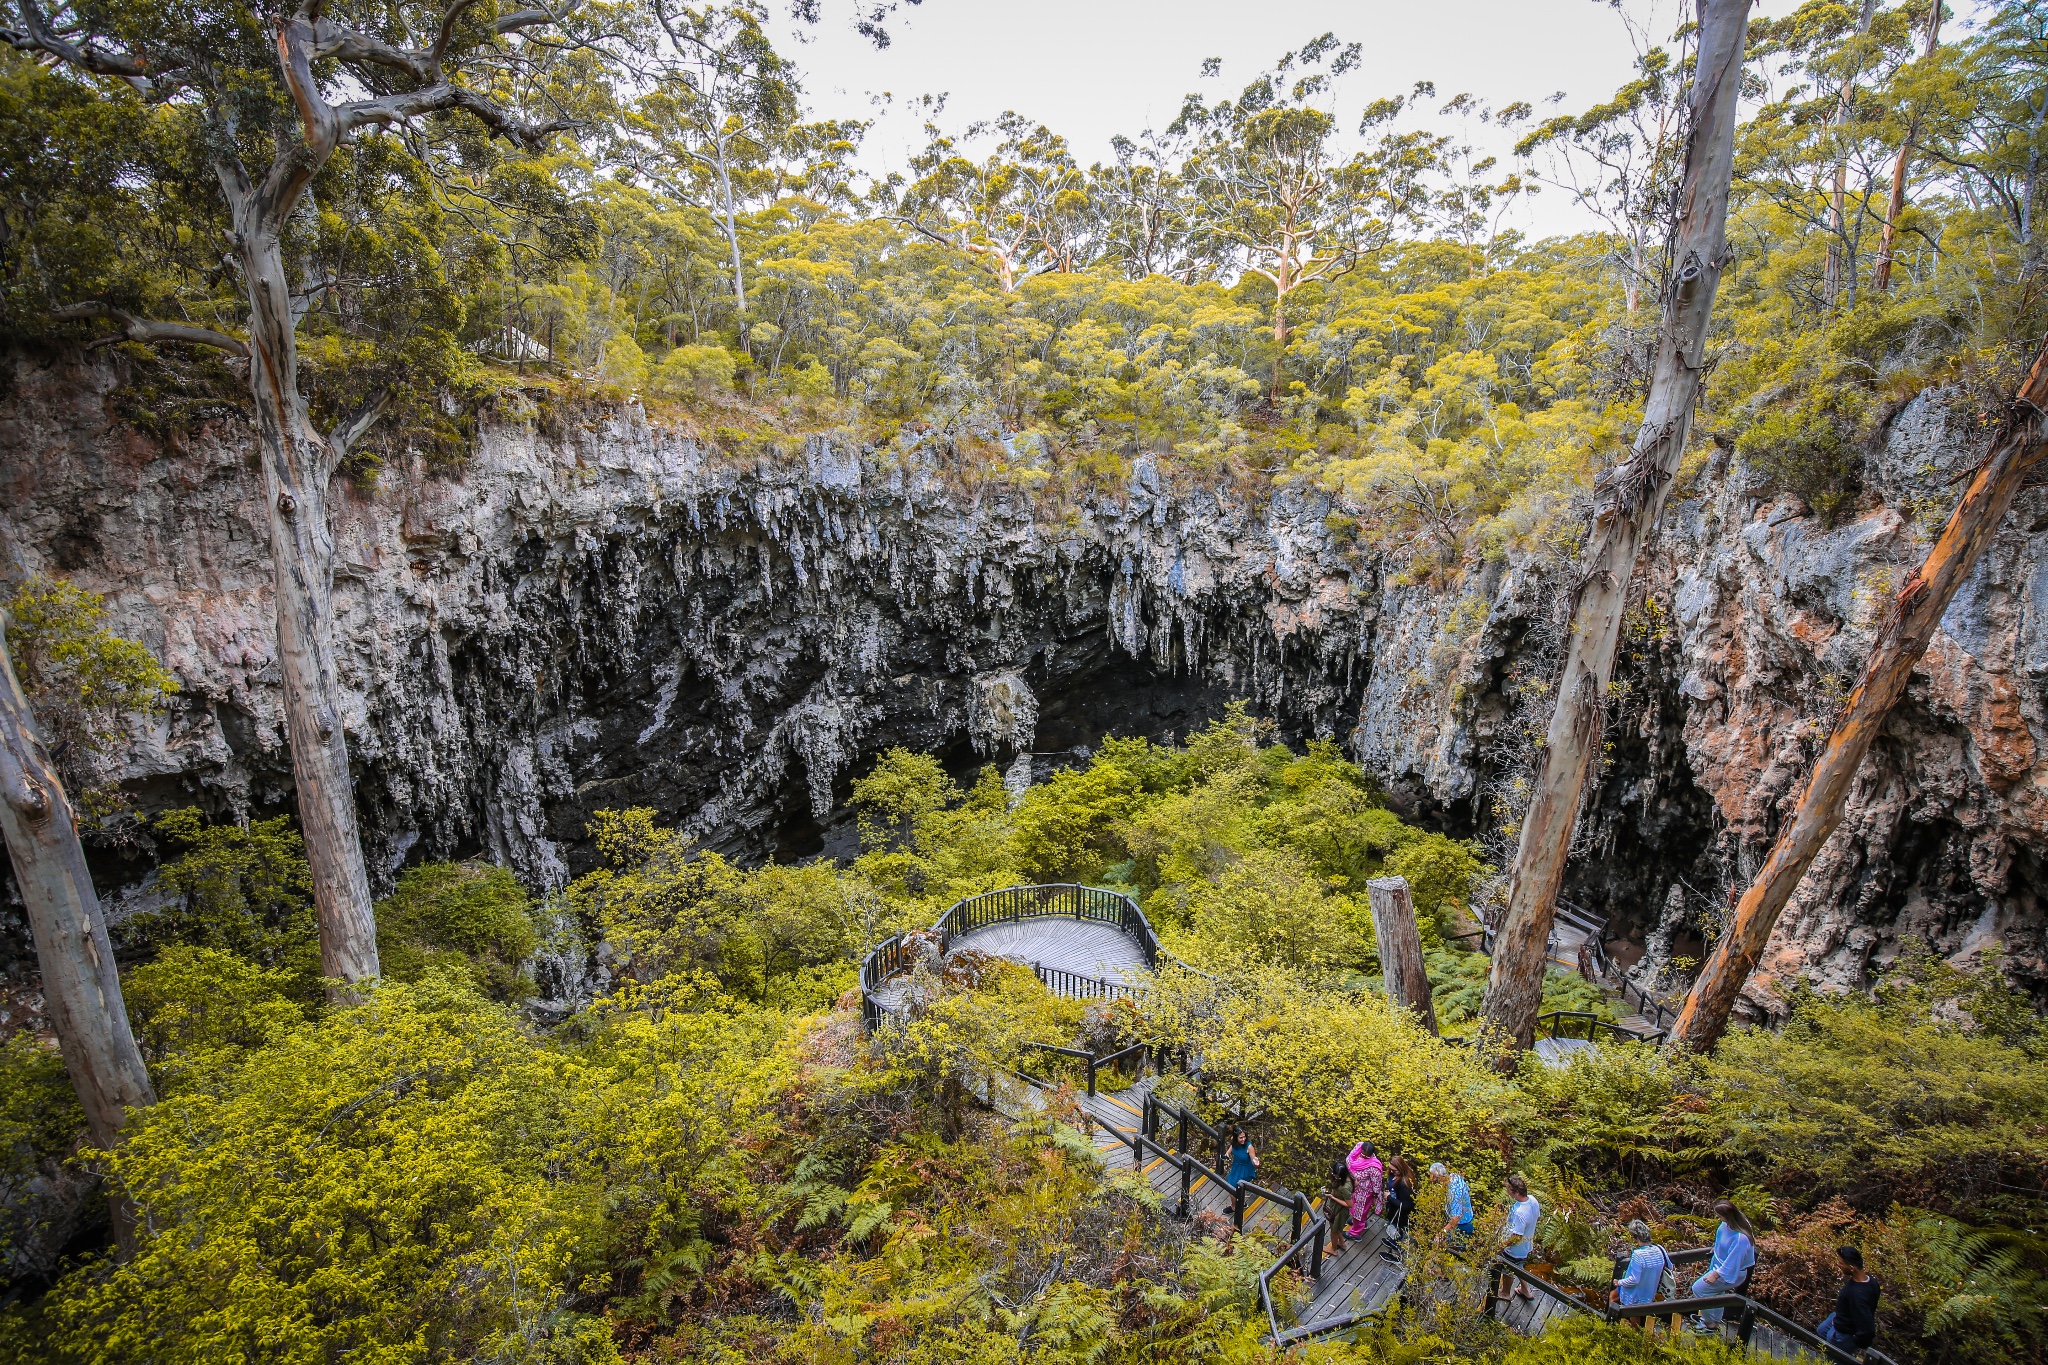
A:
[614,615]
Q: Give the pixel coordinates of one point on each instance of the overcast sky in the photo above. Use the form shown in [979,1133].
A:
[1094,68]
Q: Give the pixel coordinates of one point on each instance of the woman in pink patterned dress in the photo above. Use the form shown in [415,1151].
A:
[1368,1178]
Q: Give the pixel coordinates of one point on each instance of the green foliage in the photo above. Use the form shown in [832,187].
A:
[676,913]
[472,919]
[1067,828]
[82,680]
[39,1113]
[1458,989]
[40,1121]
[1607,1110]
[1573,1339]
[1810,450]
[698,372]
[1440,873]
[381,1186]
[1890,1098]
[196,1010]
[792,933]
[1331,1068]
[240,889]
[1269,907]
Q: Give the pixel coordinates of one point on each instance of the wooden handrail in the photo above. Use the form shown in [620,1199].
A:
[1309,1240]
[1748,1311]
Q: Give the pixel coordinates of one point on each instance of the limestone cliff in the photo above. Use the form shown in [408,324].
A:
[615,615]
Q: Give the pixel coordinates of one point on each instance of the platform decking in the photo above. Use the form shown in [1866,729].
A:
[1084,947]
[1355,1279]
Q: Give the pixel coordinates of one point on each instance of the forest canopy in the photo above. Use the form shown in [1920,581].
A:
[1250,291]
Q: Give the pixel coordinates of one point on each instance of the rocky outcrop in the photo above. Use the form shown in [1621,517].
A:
[619,616]
[615,615]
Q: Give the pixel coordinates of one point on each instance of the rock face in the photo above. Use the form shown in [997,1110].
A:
[614,615]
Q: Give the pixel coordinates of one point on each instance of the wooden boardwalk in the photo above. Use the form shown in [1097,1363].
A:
[1357,1279]
[1086,948]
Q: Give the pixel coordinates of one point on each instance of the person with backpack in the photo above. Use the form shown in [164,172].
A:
[1853,1324]
[1645,1273]
[1400,1205]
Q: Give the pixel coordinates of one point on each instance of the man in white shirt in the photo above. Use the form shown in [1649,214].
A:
[1520,1233]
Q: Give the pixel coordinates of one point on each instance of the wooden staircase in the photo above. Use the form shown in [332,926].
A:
[1355,1281]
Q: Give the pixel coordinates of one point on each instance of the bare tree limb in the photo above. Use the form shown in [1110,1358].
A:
[145,329]
[36,35]
[356,425]
[527,18]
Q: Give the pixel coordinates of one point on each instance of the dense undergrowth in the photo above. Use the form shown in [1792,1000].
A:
[710,1163]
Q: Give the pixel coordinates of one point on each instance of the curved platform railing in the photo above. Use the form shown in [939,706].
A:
[1061,900]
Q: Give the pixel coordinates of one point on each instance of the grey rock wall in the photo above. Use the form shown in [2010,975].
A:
[618,616]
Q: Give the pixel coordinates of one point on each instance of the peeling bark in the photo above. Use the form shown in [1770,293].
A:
[81,986]
[1633,499]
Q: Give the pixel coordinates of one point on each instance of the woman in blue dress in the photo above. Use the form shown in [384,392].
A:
[1244,1158]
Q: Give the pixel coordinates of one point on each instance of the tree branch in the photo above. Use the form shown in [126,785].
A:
[35,35]
[148,330]
[389,109]
[356,425]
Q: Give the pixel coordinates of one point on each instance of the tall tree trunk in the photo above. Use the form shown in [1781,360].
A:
[1901,641]
[81,988]
[1887,243]
[1279,342]
[296,470]
[1839,267]
[728,218]
[1633,498]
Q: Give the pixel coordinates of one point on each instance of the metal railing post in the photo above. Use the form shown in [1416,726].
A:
[1091,1077]
[1300,1212]
[1237,1207]
[1315,1256]
[1187,1178]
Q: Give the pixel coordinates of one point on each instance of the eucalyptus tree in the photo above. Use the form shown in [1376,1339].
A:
[81,985]
[1147,212]
[1816,150]
[1991,131]
[1902,639]
[719,117]
[1631,499]
[1619,162]
[1895,207]
[1268,186]
[268,94]
[1019,207]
